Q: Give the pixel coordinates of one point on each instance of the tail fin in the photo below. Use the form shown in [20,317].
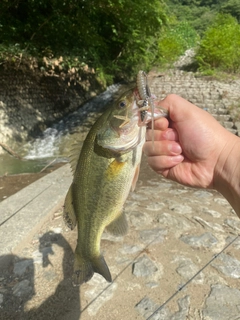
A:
[84,269]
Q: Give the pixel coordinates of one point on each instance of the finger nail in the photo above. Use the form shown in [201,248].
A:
[178,158]
[170,135]
[175,148]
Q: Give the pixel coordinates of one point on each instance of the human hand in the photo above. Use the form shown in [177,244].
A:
[188,146]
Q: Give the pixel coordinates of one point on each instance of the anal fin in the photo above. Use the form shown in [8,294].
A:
[119,226]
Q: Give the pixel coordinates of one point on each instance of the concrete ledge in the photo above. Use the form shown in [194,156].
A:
[24,212]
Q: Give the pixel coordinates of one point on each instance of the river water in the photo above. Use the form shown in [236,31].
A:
[56,142]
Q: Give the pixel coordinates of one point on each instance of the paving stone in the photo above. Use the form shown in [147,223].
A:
[187,269]
[179,208]
[101,291]
[22,288]
[227,265]
[212,213]
[168,220]
[206,240]
[146,307]
[144,267]
[202,194]
[153,235]
[182,314]
[233,223]
[21,267]
[139,219]
[210,225]
[130,249]
[222,303]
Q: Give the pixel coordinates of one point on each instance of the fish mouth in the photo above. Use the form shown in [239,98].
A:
[124,141]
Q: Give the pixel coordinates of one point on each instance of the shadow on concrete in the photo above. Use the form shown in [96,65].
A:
[17,277]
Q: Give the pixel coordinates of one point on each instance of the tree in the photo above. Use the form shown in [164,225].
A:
[117,36]
[220,46]
[232,7]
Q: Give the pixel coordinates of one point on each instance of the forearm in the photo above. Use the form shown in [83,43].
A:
[227,173]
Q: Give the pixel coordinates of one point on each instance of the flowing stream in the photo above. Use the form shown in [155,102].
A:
[56,142]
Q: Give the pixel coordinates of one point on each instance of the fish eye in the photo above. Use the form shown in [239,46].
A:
[122,104]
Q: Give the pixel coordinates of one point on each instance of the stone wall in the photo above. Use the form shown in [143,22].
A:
[220,98]
[29,101]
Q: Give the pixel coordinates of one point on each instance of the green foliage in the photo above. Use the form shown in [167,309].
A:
[232,7]
[199,13]
[175,41]
[114,36]
[220,46]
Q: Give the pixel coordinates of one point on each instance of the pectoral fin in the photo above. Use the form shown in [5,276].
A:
[135,178]
[119,226]
[69,216]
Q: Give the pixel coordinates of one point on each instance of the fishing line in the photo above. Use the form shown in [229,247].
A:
[190,280]
[2,223]
[118,275]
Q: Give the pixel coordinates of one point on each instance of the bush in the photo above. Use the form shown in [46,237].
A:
[220,45]
[175,41]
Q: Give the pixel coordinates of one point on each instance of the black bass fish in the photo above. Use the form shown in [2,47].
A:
[106,171]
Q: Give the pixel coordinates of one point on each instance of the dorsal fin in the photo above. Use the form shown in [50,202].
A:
[74,154]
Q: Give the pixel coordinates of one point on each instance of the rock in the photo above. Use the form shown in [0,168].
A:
[138,219]
[179,208]
[233,223]
[146,307]
[236,242]
[177,191]
[227,265]
[127,249]
[202,194]
[210,225]
[174,223]
[183,304]
[206,240]
[212,213]
[153,235]
[152,284]
[222,202]
[187,269]
[222,303]
[22,266]
[155,206]
[22,288]
[144,267]
[1,299]
[99,293]
[41,257]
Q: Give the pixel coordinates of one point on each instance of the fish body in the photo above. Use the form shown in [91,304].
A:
[107,169]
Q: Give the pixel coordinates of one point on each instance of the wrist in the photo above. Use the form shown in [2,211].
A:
[227,172]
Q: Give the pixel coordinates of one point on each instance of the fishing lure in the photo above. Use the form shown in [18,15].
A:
[146,100]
